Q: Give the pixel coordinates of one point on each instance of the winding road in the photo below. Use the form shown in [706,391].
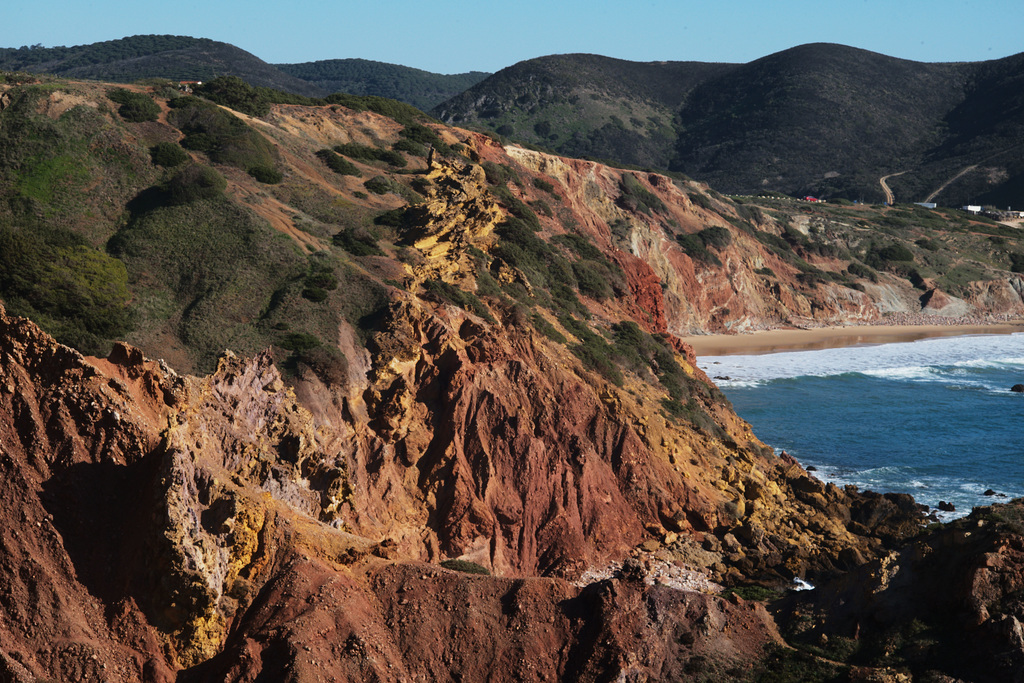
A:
[890,198]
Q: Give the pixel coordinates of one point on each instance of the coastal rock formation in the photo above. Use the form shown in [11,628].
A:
[160,514]
[949,602]
[466,401]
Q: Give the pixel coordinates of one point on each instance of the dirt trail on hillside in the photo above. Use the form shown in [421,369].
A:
[890,198]
[949,182]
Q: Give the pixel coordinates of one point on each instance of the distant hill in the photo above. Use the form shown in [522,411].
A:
[585,105]
[150,56]
[817,119]
[422,89]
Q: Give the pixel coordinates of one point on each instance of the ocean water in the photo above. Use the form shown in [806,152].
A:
[934,418]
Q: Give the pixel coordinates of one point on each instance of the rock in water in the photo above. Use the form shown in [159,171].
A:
[1017,388]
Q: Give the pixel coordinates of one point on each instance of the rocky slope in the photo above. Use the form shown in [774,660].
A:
[160,522]
[481,372]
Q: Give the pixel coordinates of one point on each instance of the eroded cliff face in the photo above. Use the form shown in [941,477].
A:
[156,519]
[751,286]
[243,526]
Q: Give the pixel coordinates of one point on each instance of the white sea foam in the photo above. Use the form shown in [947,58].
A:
[922,360]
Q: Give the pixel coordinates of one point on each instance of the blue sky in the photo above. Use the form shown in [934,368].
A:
[453,36]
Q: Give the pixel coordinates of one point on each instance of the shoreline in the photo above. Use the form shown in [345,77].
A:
[778,340]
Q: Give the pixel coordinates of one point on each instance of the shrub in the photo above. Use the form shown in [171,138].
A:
[135,107]
[222,135]
[367,153]
[1017,263]
[861,271]
[593,278]
[358,242]
[465,567]
[195,182]
[395,218]
[410,147]
[76,293]
[635,197]
[547,329]
[327,362]
[895,252]
[320,280]
[694,247]
[233,92]
[445,292]
[698,199]
[542,184]
[380,185]
[516,207]
[338,164]
[266,175]
[424,135]
[498,174]
[716,237]
[593,351]
[300,342]
[168,154]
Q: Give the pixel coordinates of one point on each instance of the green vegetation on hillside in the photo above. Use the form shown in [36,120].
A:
[220,134]
[421,89]
[825,120]
[135,107]
[127,60]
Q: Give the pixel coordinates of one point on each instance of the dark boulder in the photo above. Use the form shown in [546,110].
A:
[1017,388]
[946,507]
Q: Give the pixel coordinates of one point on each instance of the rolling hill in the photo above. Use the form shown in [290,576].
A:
[817,119]
[419,88]
[153,56]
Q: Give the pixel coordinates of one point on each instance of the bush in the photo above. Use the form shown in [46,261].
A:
[425,136]
[300,342]
[168,154]
[635,197]
[547,329]
[395,218]
[233,92]
[444,292]
[367,153]
[516,207]
[542,184]
[358,242]
[225,137]
[1017,263]
[195,182]
[380,185]
[695,248]
[327,362]
[135,107]
[593,351]
[498,174]
[698,199]
[715,237]
[465,567]
[266,175]
[338,164]
[410,147]
[858,270]
[593,278]
[74,292]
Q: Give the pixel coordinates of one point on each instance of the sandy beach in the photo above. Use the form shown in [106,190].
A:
[771,341]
